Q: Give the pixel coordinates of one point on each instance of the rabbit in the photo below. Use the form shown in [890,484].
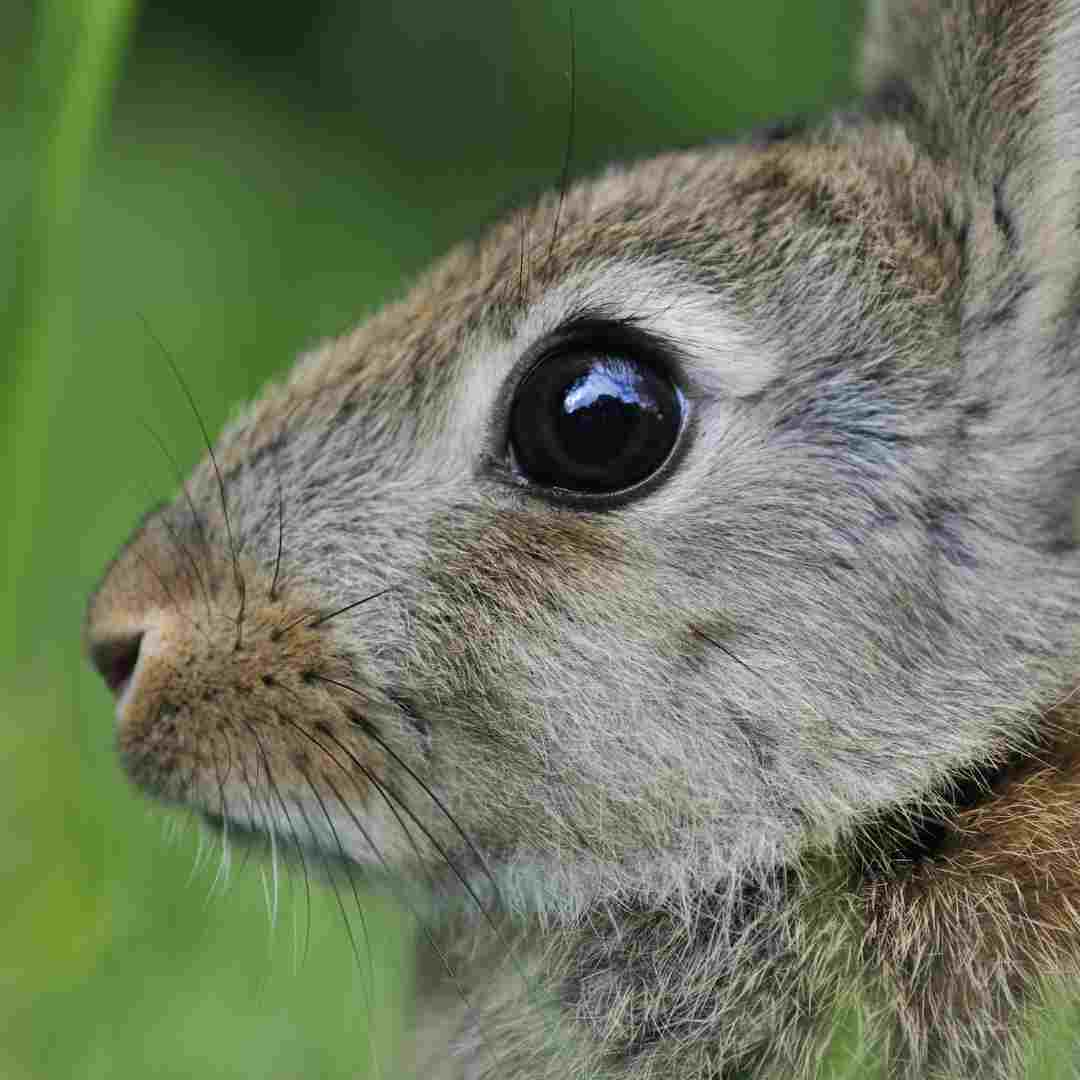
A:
[676,595]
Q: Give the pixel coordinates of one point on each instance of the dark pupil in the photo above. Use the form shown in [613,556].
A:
[593,423]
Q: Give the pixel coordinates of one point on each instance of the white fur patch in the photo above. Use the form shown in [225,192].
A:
[718,348]
[722,355]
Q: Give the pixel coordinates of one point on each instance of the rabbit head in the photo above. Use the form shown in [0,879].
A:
[713,521]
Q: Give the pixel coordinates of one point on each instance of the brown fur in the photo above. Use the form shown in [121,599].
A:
[687,771]
[988,920]
[210,698]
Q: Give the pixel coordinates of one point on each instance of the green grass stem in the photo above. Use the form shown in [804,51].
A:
[67,91]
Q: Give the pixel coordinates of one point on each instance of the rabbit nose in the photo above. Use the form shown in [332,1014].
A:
[115,658]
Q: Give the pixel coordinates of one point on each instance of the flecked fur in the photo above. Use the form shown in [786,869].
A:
[666,769]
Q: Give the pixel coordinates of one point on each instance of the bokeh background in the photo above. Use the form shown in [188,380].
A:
[243,179]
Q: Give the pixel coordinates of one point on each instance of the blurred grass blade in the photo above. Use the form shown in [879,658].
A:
[77,48]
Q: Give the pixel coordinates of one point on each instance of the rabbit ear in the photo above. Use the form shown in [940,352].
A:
[991,90]
[996,86]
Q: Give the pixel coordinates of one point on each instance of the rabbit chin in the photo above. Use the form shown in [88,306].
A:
[1035,785]
[1002,816]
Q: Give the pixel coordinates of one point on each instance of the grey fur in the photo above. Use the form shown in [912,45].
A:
[674,728]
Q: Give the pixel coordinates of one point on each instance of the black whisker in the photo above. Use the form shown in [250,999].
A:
[372,734]
[348,607]
[175,465]
[345,806]
[425,930]
[318,620]
[444,960]
[276,792]
[390,797]
[489,918]
[168,592]
[564,180]
[390,801]
[241,584]
[523,243]
[369,988]
[280,534]
[195,574]
[328,866]
[259,813]
[725,650]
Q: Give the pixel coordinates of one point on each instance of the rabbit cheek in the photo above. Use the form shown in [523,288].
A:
[529,560]
[546,662]
[502,592]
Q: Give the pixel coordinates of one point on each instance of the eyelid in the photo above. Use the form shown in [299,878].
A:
[607,337]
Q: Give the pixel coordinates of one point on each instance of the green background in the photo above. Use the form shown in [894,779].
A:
[251,180]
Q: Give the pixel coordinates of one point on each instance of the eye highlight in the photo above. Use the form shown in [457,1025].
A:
[591,421]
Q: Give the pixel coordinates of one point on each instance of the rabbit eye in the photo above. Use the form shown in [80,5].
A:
[595,423]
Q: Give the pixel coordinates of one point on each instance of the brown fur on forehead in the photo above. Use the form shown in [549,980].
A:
[736,216]
[855,198]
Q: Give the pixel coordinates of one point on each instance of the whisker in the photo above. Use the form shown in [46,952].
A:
[369,989]
[375,737]
[429,937]
[724,649]
[241,584]
[224,866]
[268,902]
[318,620]
[280,534]
[200,853]
[564,180]
[523,244]
[276,792]
[223,874]
[392,801]
[168,592]
[425,930]
[349,607]
[328,866]
[390,797]
[180,479]
[186,552]
[390,794]
[387,796]
[262,810]
[383,792]
[193,573]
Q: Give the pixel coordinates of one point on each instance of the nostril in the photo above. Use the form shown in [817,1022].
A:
[115,659]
